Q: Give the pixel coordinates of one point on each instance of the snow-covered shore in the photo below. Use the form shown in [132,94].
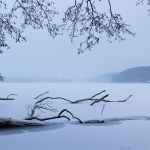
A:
[126,126]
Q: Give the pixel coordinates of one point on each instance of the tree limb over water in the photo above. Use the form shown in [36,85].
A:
[43,105]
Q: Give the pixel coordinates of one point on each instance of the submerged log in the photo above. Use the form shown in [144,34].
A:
[95,121]
[9,122]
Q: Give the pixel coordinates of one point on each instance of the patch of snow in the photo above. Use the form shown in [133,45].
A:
[126,126]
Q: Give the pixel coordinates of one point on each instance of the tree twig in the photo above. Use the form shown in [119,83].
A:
[7,98]
[101,99]
[41,95]
[71,114]
[103,107]
[73,102]
[55,117]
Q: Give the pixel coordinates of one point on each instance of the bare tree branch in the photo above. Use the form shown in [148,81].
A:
[49,118]
[143,2]
[36,13]
[98,94]
[101,99]
[11,95]
[73,102]
[103,107]
[125,99]
[119,100]
[83,19]
[41,95]
[55,117]
[7,98]
[69,113]
[95,100]
[42,105]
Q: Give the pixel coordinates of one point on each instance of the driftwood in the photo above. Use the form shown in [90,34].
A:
[7,98]
[55,117]
[73,102]
[102,99]
[39,105]
[95,121]
[9,122]
[92,98]
[44,105]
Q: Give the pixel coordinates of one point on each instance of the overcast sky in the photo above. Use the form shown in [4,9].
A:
[42,55]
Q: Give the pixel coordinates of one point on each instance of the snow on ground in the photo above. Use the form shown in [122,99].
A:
[126,126]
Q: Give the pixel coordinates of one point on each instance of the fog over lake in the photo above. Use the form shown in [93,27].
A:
[106,125]
[126,124]
[45,56]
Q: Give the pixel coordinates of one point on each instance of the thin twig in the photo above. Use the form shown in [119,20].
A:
[41,95]
[103,107]
[101,99]
[11,95]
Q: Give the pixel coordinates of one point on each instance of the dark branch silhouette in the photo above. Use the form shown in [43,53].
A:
[1,78]
[103,107]
[101,99]
[43,105]
[82,18]
[73,102]
[9,122]
[92,98]
[143,2]
[55,117]
[35,13]
[7,98]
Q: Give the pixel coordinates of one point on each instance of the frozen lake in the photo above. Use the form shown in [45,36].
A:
[127,125]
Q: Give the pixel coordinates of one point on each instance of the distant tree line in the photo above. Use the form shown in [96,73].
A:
[136,75]
[33,79]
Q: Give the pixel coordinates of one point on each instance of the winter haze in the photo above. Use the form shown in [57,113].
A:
[42,55]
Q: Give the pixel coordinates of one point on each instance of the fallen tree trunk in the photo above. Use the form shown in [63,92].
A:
[95,121]
[73,102]
[7,98]
[55,117]
[42,104]
[9,122]
[92,98]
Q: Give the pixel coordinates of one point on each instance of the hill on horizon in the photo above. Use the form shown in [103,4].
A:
[104,78]
[131,75]
[136,75]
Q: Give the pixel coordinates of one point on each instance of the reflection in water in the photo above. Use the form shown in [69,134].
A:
[20,130]
[114,121]
[53,126]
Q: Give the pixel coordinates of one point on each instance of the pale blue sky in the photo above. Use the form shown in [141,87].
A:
[42,55]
